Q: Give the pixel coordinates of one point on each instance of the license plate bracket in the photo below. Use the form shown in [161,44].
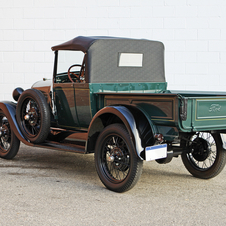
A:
[156,152]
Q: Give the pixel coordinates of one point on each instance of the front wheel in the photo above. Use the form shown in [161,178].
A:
[205,157]
[117,163]
[33,115]
[9,143]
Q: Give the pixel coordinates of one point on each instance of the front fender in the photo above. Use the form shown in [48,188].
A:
[9,109]
[127,119]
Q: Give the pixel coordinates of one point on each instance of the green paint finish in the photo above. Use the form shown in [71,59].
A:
[153,87]
[169,133]
[205,113]
[211,109]
[73,106]
[66,110]
[97,101]
[161,107]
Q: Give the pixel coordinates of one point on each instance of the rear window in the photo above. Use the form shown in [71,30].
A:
[130,60]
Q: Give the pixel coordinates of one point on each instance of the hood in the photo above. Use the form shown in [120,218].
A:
[42,83]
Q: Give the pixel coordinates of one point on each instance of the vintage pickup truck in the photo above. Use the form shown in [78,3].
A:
[108,96]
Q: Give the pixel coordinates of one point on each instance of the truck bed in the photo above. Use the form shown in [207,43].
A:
[204,112]
[188,112]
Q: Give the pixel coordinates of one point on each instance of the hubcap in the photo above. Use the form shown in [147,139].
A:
[5,136]
[201,150]
[4,133]
[31,116]
[117,158]
[110,158]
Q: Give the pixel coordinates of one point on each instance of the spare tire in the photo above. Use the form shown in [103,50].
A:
[33,115]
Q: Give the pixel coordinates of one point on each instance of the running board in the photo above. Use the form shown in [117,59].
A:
[62,147]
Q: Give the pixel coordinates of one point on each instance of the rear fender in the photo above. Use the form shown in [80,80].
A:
[223,138]
[131,127]
[124,115]
[9,109]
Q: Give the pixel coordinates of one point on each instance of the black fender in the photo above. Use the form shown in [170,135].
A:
[223,139]
[117,114]
[9,109]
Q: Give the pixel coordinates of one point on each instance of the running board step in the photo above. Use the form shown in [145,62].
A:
[62,147]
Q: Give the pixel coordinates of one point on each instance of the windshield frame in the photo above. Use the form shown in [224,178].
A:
[56,62]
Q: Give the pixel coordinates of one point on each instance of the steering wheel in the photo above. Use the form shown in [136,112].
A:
[69,72]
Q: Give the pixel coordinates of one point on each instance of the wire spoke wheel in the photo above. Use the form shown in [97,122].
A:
[205,157]
[9,143]
[204,152]
[5,135]
[116,158]
[117,163]
[33,115]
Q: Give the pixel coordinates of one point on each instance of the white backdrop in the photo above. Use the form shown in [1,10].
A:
[193,32]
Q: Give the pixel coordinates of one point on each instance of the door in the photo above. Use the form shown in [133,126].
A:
[64,96]
[71,93]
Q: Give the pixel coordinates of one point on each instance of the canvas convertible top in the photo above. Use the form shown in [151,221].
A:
[79,43]
[104,56]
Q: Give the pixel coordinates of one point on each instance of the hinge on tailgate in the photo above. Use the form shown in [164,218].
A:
[183,108]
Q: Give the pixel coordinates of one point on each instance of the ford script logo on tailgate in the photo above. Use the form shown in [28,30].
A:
[215,108]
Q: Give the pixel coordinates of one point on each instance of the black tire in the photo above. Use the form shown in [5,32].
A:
[207,157]
[9,143]
[117,163]
[33,115]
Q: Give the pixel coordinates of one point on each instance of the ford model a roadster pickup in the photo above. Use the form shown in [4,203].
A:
[108,96]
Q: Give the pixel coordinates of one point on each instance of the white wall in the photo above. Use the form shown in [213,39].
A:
[193,31]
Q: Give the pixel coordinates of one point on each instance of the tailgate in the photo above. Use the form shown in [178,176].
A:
[204,113]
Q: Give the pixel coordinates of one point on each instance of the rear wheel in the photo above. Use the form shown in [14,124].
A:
[206,157]
[117,164]
[33,115]
[9,143]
